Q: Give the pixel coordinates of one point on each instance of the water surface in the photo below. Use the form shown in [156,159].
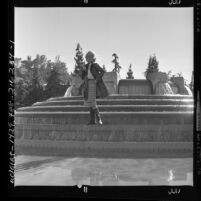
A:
[61,171]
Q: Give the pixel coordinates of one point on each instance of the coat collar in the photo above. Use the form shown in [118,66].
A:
[87,65]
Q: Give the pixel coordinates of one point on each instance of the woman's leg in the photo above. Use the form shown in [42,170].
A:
[92,100]
[97,115]
[92,116]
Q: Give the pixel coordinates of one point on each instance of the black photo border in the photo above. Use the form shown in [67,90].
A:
[119,192]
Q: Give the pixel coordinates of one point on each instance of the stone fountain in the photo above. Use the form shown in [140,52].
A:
[137,123]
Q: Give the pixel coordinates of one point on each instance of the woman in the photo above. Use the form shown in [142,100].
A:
[94,87]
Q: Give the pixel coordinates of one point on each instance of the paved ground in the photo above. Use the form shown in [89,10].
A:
[37,170]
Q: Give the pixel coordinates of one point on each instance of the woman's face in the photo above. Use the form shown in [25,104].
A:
[89,59]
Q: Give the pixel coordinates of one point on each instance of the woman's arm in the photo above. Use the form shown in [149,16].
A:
[100,70]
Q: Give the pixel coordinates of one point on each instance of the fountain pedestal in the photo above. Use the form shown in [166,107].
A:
[133,125]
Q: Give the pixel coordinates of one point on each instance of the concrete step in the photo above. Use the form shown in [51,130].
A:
[104,108]
[142,118]
[104,149]
[120,102]
[135,132]
[127,97]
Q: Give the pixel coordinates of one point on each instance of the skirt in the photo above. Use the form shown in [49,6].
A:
[91,100]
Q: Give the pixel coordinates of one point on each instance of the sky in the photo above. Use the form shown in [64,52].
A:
[134,34]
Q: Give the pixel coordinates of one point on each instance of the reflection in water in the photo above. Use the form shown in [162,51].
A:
[171,175]
[33,170]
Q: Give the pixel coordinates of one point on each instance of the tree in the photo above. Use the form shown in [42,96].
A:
[36,92]
[117,67]
[152,65]
[32,77]
[62,70]
[26,70]
[23,80]
[40,63]
[21,91]
[17,62]
[53,84]
[130,73]
[38,66]
[58,79]
[79,60]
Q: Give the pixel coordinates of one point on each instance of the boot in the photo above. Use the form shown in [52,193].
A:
[98,117]
[92,116]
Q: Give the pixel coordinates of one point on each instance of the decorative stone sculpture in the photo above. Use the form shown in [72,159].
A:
[163,89]
[173,87]
[75,83]
[159,82]
[68,91]
[111,80]
[182,87]
[187,91]
[179,82]
[135,87]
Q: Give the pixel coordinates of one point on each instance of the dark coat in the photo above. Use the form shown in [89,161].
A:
[97,72]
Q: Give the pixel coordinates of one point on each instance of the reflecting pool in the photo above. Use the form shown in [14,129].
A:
[60,171]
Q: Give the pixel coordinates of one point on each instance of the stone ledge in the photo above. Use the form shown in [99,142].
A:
[108,149]
[109,118]
[104,127]
[184,101]
[127,96]
[107,108]
[105,133]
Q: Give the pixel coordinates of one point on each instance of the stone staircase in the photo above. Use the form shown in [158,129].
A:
[137,126]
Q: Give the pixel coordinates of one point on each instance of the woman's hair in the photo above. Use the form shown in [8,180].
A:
[91,55]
